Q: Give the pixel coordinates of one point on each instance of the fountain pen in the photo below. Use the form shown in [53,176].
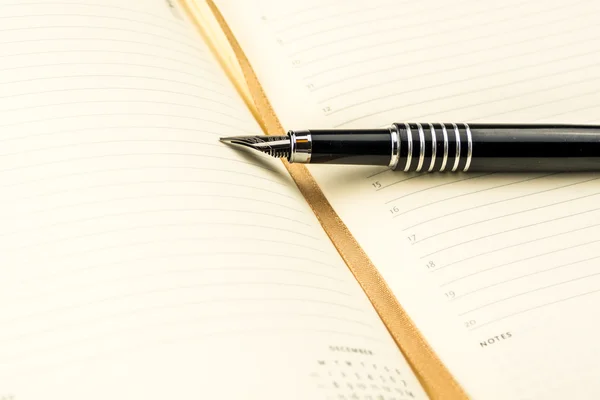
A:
[441,147]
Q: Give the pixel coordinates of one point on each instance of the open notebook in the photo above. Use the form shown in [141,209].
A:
[140,258]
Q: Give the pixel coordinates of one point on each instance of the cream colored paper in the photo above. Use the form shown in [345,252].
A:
[139,257]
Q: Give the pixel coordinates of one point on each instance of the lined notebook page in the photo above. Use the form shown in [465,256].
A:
[502,267]
[141,258]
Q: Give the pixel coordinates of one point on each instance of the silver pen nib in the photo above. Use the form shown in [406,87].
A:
[276,146]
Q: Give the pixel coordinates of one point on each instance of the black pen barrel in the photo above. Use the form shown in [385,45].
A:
[513,148]
[460,147]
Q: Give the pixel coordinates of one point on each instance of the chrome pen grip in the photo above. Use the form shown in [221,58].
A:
[462,147]
[431,147]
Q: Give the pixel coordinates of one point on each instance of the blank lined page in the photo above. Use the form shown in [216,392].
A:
[140,257]
[502,267]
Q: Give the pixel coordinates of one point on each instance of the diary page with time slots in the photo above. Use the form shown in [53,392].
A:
[499,271]
[140,257]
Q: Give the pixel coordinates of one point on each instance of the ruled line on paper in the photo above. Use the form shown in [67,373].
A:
[462,295]
[528,292]
[49,312]
[98,142]
[262,332]
[534,308]
[173,167]
[110,102]
[104,52]
[96,76]
[90,40]
[133,114]
[165,274]
[179,240]
[134,11]
[113,88]
[172,210]
[286,206]
[197,303]
[176,32]
[20,68]
[522,259]
[562,99]
[115,155]
[507,215]
[174,257]
[130,313]
[74,205]
[571,111]
[379,172]
[458,179]
[182,239]
[185,334]
[290,334]
[244,268]
[298,12]
[467,194]
[288,27]
[170,289]
[405,178]
[176,181]
[133,227]
[190,46]
[510,230]
[473,207]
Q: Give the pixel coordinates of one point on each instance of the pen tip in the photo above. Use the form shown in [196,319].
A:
[276,146]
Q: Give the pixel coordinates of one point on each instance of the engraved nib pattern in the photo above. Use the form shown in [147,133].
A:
[276,146]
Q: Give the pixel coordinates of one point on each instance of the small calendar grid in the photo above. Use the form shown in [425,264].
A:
[343,379]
